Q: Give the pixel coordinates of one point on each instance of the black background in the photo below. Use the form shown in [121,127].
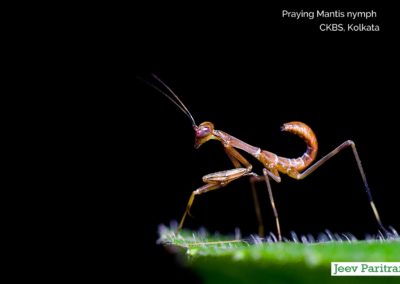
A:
[248,71]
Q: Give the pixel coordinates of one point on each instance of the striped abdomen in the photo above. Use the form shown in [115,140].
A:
[284,165]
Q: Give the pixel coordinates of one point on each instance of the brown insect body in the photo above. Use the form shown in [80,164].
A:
[290,166]
[271,161]
[298,168]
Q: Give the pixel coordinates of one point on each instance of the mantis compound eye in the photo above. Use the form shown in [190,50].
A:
[202,131]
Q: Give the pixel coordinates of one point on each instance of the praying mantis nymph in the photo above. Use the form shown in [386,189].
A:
[273,164]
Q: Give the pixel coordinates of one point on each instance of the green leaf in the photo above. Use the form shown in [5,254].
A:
[218,260]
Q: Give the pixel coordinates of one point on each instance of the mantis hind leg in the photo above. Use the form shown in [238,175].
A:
[335,151]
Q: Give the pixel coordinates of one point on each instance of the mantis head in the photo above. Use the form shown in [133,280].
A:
[204,132]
